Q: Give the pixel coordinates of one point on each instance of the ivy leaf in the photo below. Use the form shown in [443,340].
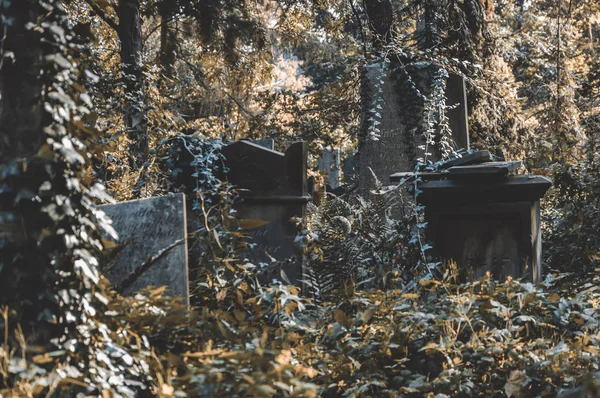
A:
[251,223]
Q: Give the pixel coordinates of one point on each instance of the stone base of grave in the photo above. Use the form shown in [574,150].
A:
[484,217]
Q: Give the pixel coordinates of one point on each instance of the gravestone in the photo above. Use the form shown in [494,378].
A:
[329,163]
[393,143]
[273,189]
[152,245]
[484,219]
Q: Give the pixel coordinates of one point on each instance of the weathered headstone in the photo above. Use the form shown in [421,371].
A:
[152,245]
[329,162]
[273,188]
[486,221]
[393,141]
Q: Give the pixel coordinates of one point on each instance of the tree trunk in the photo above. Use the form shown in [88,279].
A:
[130,35]
[168,37]
[381,19]
[21,109]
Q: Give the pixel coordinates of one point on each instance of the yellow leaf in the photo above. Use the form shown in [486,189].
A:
[342,318]
[284,357]
[42,359]
[554,297]
[108,244]
[157,292]
[265,391]
[45,152]
[293,337]
[239,315]
[251,223]
[103,4]
[310,372]
[248,379]
[529,298]
[429,348]
[74,381]
[45,233]
[427,282]
[410,296]
[167,389]
[230,267]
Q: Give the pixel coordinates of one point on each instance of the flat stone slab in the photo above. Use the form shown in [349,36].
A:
[152,245]
[475,157]
[426,175]
[521,188]
[485,169]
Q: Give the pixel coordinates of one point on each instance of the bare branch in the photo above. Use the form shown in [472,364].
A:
[100,12]
[207,87]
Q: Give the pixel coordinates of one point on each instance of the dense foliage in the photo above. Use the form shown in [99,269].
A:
[141,95]
[484,338]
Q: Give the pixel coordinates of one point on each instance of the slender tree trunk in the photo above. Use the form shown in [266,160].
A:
[168,37]
[130,35]
[21,109]
[381,19]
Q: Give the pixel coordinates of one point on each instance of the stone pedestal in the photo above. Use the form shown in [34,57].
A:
[487,225]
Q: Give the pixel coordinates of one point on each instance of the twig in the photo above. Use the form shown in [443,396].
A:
[140,269]
[100,12]
[208,87]
[362,32]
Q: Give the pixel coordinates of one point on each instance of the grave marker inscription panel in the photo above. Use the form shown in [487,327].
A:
[152,243]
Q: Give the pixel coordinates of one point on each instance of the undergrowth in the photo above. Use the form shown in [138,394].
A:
[484,338]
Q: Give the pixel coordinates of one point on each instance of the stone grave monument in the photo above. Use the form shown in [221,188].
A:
[273,189]
[484,217]
[396,102]
[152,245]
[329,163]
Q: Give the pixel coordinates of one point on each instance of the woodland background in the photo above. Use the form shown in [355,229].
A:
[104,93]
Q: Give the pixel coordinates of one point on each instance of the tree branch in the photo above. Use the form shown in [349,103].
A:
[360,26]
[100,12]
[209,88]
